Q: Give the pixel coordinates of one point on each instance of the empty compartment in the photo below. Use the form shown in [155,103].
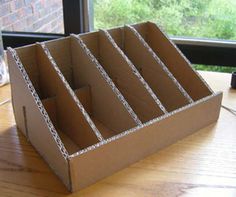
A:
[125,76]
[107,112]
[63,111]
[162,82]
[175,61]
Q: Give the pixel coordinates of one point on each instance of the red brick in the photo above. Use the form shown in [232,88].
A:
[5,9]
[10,19]
[31,15]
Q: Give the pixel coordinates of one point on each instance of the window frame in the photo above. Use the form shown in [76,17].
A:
[198,51]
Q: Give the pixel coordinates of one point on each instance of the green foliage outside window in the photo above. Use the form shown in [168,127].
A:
[193,18]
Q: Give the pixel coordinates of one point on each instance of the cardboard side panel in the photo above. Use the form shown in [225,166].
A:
[151,69]
[34,123]
[106,105]
[68,113]
[126,81]
[174,60]
[110,157]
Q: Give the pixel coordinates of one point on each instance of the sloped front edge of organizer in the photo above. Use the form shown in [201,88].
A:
[30,119]
[120,151]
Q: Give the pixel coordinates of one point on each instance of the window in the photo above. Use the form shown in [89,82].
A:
[194,18]
[189,20]
[183,18]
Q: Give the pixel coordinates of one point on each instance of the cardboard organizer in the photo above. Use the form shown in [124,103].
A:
[94,103]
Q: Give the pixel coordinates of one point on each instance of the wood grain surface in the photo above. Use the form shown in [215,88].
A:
[203,164]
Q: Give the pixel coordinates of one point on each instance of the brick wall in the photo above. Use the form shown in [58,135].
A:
[31,15]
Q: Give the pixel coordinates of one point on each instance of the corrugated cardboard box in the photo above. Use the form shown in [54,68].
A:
[94,103]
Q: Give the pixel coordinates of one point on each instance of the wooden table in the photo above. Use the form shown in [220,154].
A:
[203,164]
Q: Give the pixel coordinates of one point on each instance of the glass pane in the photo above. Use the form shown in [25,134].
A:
[32,16]
[194,18]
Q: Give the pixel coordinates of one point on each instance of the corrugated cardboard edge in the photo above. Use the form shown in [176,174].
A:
[71,92]
[179,52]
[158,60]
[108,80]
[135,71]
[89,165]
[24,95]
[183,56]
[160,83]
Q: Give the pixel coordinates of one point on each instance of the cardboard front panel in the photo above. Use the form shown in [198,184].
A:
[174,60]
[120,152]
[106,108]
[123,76]
[32,122]
[150,68]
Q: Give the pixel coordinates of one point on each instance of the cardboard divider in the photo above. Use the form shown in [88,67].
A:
[125,76]
[175,61]
[103,106]
[60,105]
[155,73]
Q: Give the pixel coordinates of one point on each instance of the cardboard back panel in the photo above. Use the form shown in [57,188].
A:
[105,108]
[32,119]
[168,90]
[174,60]
[121,151]
[123,76]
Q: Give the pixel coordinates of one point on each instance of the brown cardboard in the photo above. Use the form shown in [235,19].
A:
[149,66]
[76,118]
[123,76]
[174,60]
[106,107]
[34,124]
[84,95]
[68,113]
[141,142]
